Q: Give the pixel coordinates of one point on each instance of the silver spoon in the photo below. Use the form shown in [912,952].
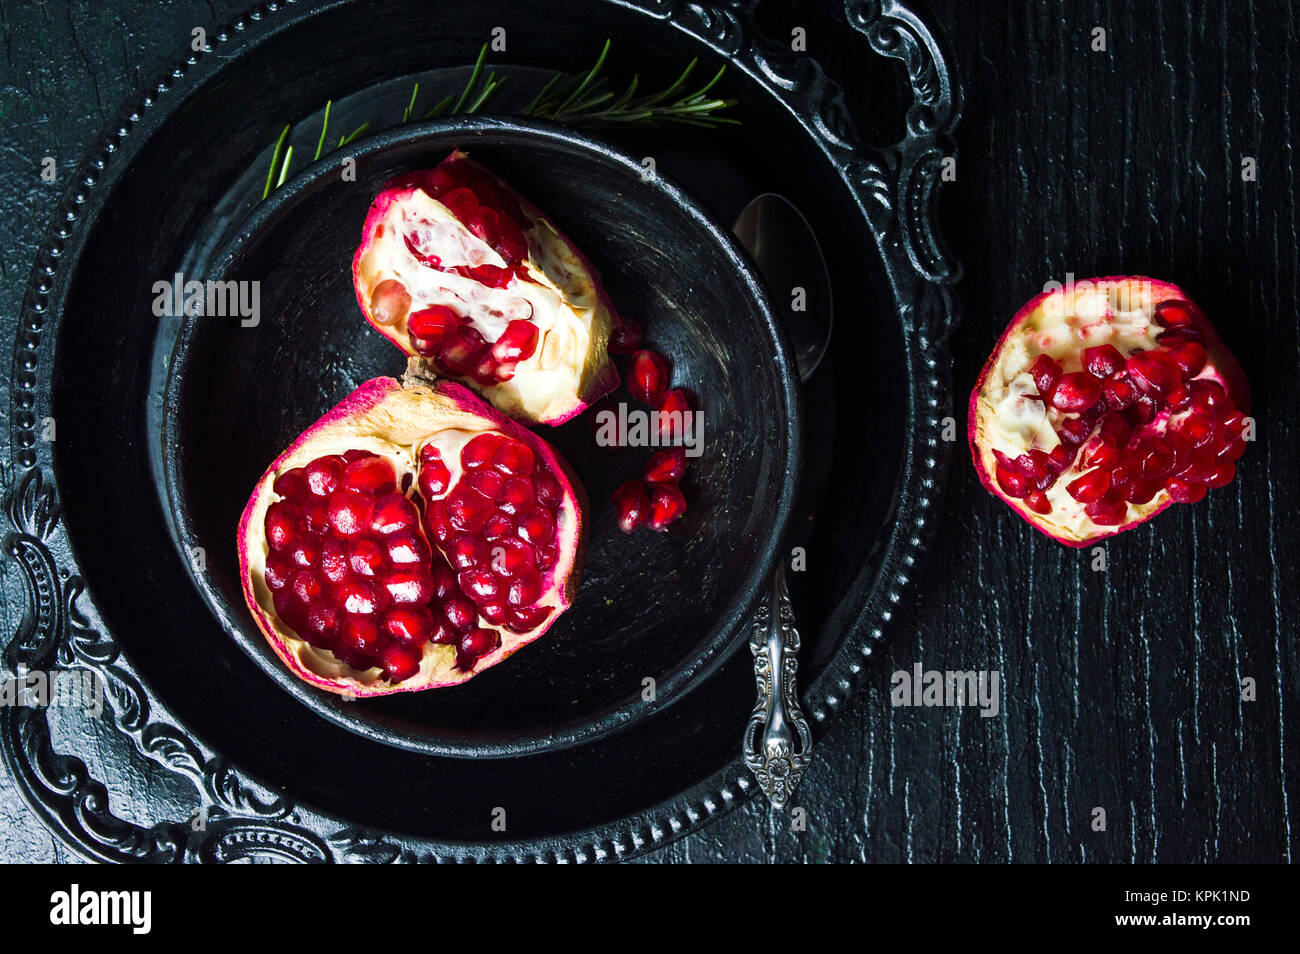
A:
[777,740]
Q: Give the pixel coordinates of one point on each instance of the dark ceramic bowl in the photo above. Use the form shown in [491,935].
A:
[666,607]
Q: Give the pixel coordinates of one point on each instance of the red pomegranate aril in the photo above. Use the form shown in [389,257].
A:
[1076,391]
[537,526]
[1038,502]
[1060,459]
[333,560]
[1090,486]
[514,458]
[1013,482]
[369,475]
[524,590]
[546,557]
[495,613]
[389,302]
[467,511]
[433,323]
[1233,450]
[483,223]
[1179,398]
[460,202]
[1144,410]
[292,483]
[350,512]
[407,548]
[1209,396]
[409,624]
[631,505]
[516,495]
[517,343]
[424,347]
[511,557]
[392,513]
[1222,475]
[672,412]
[1103,360]
[1074,430]
[479,642]
[485,371]
[499,525]
[409,584]
[1045,371]
[360,595]
[479,451]
[1119,391]
[1141,491]
[278,571]
[443,634]
[444,580]
[400,661]
[1182,491]
[547,489]
[321,624]
[1105,453]
[647,376]
[434,479]
[626,337]
[464,551]
[305,554]
[323,475]
[460,612]
[435,521]
[1201,431]
[360,635]
[1173,314]
[365,557]
[460,350]
[666,505]
[485,481]
[1108,511]
[479,584]
[282,525]
[1153,372]
[527,618]
[1190,357]
[306,586]
[667,466]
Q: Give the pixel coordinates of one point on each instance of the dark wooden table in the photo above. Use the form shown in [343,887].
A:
[1122,688]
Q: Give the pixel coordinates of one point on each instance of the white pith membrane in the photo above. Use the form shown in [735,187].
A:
[394,423]
[569,367]
[1010,416]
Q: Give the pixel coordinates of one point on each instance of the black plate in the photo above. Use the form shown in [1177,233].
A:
[104,583]
[237,395]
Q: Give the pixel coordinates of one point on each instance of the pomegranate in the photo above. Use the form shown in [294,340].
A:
[459,270]
[1102,404]
[409,539]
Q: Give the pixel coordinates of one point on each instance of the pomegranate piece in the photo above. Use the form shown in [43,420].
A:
[483,253]
[394,590]
[1103,404]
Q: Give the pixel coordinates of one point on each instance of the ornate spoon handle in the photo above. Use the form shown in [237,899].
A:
[770,750]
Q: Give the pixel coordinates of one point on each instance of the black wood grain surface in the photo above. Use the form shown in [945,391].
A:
[1122,687]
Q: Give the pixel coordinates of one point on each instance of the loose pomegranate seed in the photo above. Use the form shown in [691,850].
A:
[671,412]
[647,377]
[631,505]
[666,505]
[389,302]
[1090,486]
[517,343]
[665,466]
[1046,372]
[1076,391]
[626,337]
[433,323]
[1103,360]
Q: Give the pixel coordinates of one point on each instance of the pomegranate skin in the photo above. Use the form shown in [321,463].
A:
[1035,322]
[567,285]
[388,417]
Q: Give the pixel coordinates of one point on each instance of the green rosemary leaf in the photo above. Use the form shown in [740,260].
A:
[440,107]
[473,78]
[541,94]
[359,131]
[275,163]
[627,95]
[586,80]
[324,126]
[410,106]
[671,90]
[284,169]
[489,89]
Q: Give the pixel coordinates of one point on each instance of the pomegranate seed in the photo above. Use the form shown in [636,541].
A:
[434,480]
[537,526]
[479,642]
[546,557]
[626,337]
[1089,487]
[1190,357]
[1076,391]
[1013,482]
[1140,492]
[514,458]
[485,371]
[460,350]
[671,413]
[282,525]
[1060,459]
[467,511]
[666,505]
[1108,511]
[350,512]
[647,376]
[1046,372]
[369,475]
[517,343]
[305,554]
[389,302]
[433,323]
[1233,450]
[322,624]
[443,634]
[524,589]
[365,557]
[406,548]
[360,634]
[511,557]
[1201,431]
[333,560]
[1038,502]
[1179,398]
[1074,430]
[483,223]
[292,483]
[1222,475]
[525,619]
[359,595]
[1209,396]
[278,571]
[306,586]
[460,202]
[460,612]
[516,495]
[499,525]
[479,451]
[411,624]
[485,481]
[1104,453]
[665,466]
[495,613]
[447,176]
[435,521]
[1119,391]
[316,515]
[1174,313]
[479,584]
[1181,491]
[444,580]
[409,584]
[547,489]
[393,513]
[1153,372]
[464,551]
[632,505]
[1103,360]
[1144,409]
[1116,429]
[323,475]
[400,662]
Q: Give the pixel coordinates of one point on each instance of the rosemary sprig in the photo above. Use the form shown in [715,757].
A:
[581,99]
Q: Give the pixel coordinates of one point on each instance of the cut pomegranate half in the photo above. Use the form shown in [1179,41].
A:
[460,271]
[1103,403]
[409,539]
